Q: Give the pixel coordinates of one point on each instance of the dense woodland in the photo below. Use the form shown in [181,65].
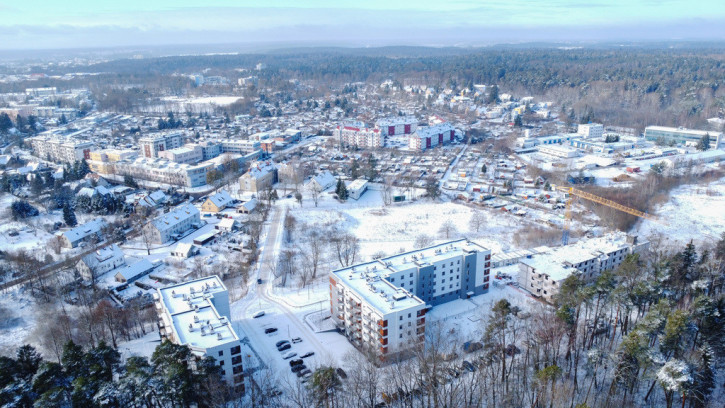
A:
[629,86]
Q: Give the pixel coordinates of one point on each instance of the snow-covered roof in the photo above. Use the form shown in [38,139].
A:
[324,180]
[184,248]
[178,215]
[83,231]
[260,169]
[221,199]
[250,205]
[430,131]
[103,255]
[227,223]
[142,267]
[357,184]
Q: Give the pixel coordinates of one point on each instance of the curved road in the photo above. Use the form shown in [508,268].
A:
[277,313]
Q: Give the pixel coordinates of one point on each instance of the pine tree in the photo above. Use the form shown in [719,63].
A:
[69,216]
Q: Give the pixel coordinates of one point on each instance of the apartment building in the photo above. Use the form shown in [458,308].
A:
[101,261]
[60,149]
[361,137]
[196,314]
[188,154]
[217,202]
[169,226]
[397,125]
[159,142]
[542,274]
[90,230]
[261,175]
[380,305]
[591,130]
[242,147]
[426,137]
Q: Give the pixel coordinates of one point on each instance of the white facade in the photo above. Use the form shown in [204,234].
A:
[564,152]
[426,137]
[153,144]
[380,304]
[260,176]
[166,227]
[359,137]
[60,149]
[542,274]
[196,314]
[356,188]
[75,236]
[591,130]
[397,125]
[103,260]
[186,154]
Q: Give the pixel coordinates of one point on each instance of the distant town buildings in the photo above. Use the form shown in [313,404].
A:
[196,314]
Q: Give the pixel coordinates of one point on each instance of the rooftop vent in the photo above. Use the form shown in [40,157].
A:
[173,293]
[191,327]
[218,336]
[191,289]
[196,319]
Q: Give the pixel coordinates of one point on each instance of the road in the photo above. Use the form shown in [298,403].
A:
[277,313]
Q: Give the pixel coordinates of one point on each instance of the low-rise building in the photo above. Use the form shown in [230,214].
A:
[131,273]
[90,230]
[169,226]
[99,262]
[356,188]
[217,202]
[542,274]
[321,182]
[196,314]
[261,175]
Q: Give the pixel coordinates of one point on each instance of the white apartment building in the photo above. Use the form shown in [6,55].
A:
[188,154]
[397,125]
[561,151]
[542,274]
[153,144]
[169,226]
[196,314]
[260,176]
[239,146]
[365,138]
[591,130]
[426,137]
[99,262]
[74,237]
[60,149]
[41,92]
[380,305]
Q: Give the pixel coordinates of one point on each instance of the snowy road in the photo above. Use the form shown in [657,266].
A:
[277,314]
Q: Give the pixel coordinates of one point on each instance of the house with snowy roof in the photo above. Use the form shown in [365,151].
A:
[321,182]
[72,238]
[169,226]
[132,273]
[261,175]
[217,202]
[99,262]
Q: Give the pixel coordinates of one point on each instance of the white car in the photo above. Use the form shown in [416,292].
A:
[258,314]
[289,355]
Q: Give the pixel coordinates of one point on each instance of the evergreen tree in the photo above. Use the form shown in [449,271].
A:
[704,143]
[36,186]
[129,181]
[5,122]
[518,122]
[69,216]
[21,209]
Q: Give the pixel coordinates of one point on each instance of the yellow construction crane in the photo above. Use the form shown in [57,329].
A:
[596,199]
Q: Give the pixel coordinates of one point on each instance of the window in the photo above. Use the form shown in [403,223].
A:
[444,274]
[392,279]
[411,283]
[237,369]
[410,324]
[411,275]
[238,379]
[400,327]
[236,350]
[400,336]
[221,362]
[224,372]
[450,286]
[451,263]
[408,315]
[221,352]
[400,317]
[451,279]
[236,360]
[459,262]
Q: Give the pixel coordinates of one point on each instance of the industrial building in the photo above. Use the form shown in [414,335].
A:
[196,314]
[380,305]
[681,136]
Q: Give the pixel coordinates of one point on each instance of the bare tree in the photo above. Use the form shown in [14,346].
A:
[447,229]
[387,190]
[345,246]
[289,225]
[315,192]
[422,241]
[478,220]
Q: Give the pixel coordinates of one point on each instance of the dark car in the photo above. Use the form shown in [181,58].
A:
[298,368]
[284,347]
[302,372]
[269,330]
[259,281]
[341,373]
[308,354]
[295,362]
[468,366]
[281,342]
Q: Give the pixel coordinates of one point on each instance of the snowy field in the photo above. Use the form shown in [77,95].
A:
[692,212]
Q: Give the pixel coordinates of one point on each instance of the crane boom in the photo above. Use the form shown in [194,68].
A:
[599,200]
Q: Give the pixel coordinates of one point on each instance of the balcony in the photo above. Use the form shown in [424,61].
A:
[340,317]
[383,323]
[421,321]
[383,332]
[384,342]
[420,330]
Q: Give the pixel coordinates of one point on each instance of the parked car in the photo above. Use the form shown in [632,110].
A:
[259,281]
[258,314]
[308,354]
[468,366]
[281,342]
[298,368]
[306,372]
[289,355]
[296,340]
[284,347]
[301,373]
[270,330]
[341,373]
[295,362]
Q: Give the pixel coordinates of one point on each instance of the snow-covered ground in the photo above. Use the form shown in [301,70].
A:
[692,212]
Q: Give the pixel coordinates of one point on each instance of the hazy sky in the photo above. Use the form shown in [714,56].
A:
[88,23]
